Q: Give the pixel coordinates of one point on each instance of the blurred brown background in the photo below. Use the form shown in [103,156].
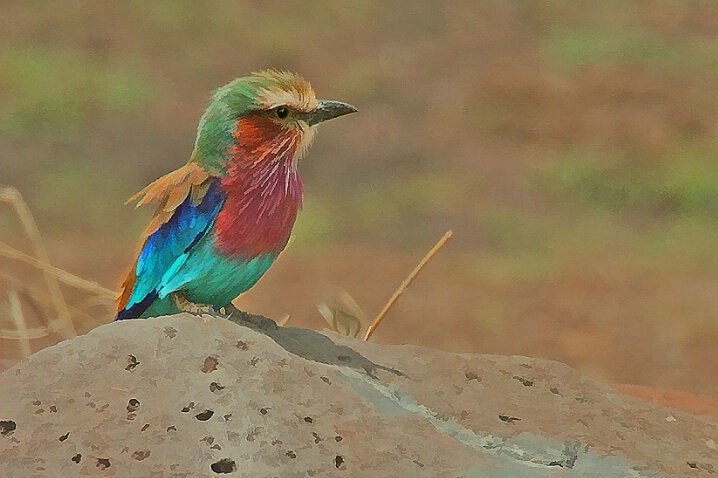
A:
[570,144]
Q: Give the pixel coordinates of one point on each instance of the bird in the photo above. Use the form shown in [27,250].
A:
[224,217]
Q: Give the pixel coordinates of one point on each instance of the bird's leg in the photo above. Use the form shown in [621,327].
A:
[192,308]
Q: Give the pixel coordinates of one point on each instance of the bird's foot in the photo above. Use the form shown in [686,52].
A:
[192,308]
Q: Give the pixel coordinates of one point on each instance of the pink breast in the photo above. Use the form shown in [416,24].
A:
[264,192]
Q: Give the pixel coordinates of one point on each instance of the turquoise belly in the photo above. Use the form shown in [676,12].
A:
[206,277]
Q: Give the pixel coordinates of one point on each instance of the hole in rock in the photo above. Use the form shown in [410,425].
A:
[210,364]
[133,405]
[523,381]
[205,415]
[7,427]
[225,465]
[508,419]
[132,362]
[140,455]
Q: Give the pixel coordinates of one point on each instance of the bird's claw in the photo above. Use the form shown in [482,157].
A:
[198,310]
[201,310]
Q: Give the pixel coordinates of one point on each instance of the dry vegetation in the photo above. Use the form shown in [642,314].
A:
[571,146]
[58,317]
[41,315]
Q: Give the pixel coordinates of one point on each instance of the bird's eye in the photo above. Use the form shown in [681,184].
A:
[282,112]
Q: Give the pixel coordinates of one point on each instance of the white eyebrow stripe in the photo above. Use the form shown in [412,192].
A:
[300,100]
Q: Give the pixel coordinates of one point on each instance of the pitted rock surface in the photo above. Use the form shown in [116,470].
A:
[184,396]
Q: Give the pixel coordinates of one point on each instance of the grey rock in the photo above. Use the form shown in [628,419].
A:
[184,396]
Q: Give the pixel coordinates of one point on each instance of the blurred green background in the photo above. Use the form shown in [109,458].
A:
[570,144]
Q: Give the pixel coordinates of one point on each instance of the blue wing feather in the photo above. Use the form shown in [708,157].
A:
[168,247]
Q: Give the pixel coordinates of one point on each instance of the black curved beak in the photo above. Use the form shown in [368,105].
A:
[326,111]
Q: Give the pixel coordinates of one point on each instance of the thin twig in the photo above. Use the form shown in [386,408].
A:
[31,333]
[353,306]
[13,197]
[336,317]
[404,285]
[19,319]
[59,274]
[327,315]
[43,299]
[348,319]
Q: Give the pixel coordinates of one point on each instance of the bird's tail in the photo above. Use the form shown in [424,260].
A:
[150,306]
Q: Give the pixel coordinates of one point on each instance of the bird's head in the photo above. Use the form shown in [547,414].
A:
[268,116]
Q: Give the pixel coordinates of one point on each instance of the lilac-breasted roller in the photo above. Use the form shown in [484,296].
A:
[224,217]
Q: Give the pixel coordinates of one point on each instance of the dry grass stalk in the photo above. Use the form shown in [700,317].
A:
[103,296]
[43,298]
[405,285]
[40,296]
[59,274]
[19,319]
[352,307]
[12,197]
[31,333]
[328,315]
[340,320]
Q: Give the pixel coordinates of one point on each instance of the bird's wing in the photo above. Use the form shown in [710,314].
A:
[189,201]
